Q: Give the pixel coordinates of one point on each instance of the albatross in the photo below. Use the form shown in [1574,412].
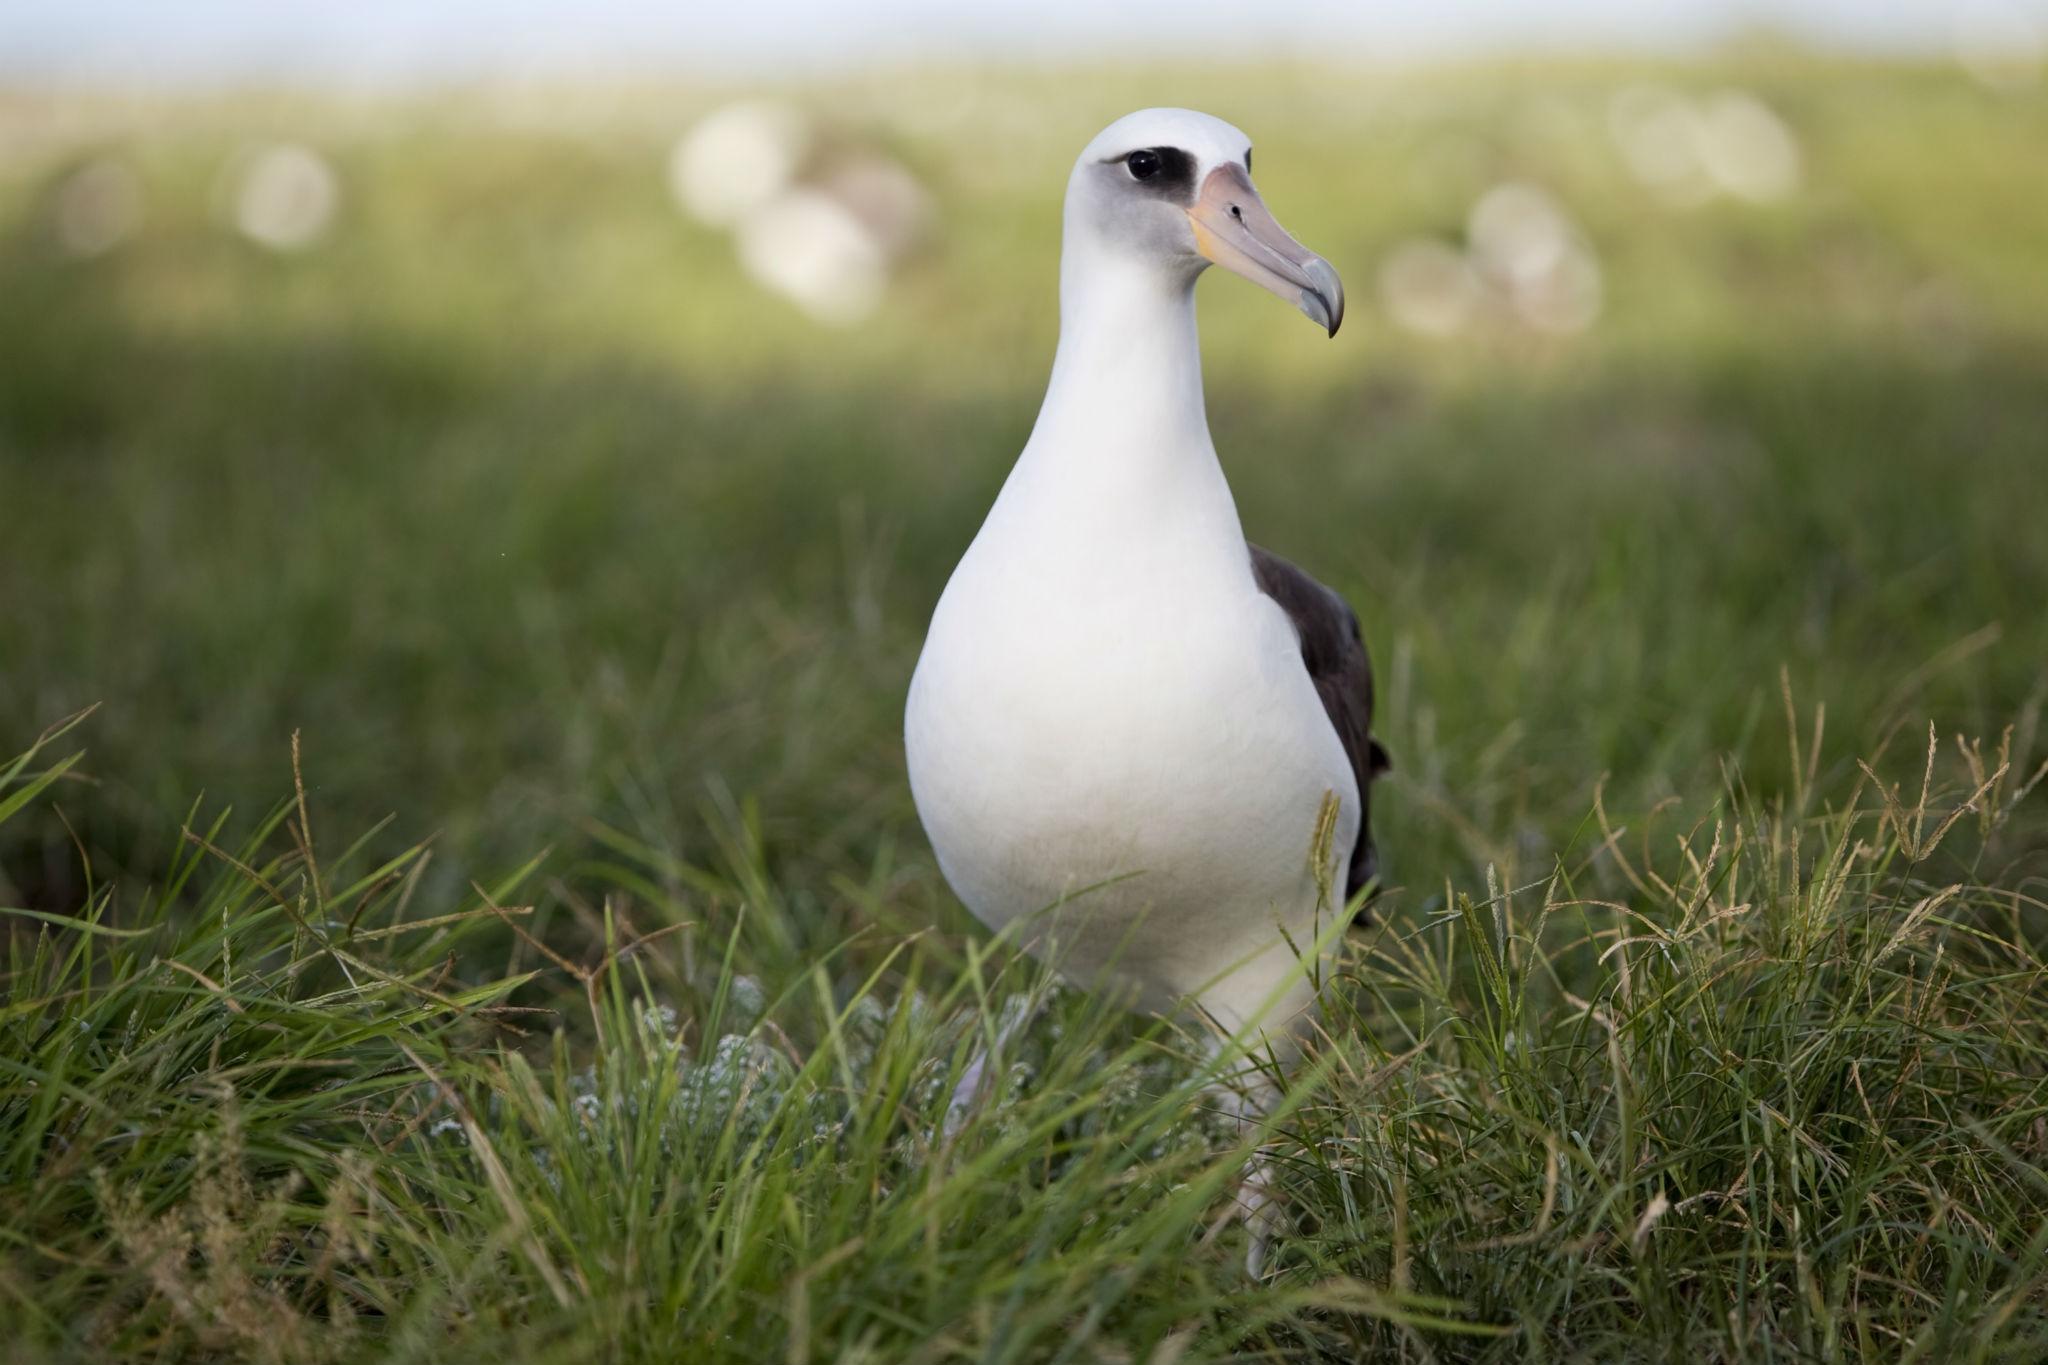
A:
[1142,740]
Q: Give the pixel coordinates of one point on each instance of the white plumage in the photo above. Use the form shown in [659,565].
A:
[1111,726]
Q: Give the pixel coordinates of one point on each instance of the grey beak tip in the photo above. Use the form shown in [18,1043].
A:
[1323,300]
[1323,310]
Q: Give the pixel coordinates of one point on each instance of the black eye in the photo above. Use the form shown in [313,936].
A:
[1144,164]
[1247,161]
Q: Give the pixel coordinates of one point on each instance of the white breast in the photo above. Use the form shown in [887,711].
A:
[1114,721]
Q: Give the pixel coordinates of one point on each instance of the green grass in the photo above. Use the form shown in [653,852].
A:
[1683,1035]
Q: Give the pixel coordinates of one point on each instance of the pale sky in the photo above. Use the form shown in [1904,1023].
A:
[286,41]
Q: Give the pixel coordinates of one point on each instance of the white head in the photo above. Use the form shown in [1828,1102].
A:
[1170,190]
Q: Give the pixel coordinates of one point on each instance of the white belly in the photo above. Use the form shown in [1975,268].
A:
[1142,757]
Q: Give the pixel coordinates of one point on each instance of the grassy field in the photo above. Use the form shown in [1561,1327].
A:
[578,986]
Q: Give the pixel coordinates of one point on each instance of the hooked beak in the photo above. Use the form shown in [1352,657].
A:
[1234,229]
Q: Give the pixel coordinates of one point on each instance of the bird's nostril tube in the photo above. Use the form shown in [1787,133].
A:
[1237,213]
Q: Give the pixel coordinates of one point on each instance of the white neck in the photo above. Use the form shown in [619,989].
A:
[1120,466]
[1127,378]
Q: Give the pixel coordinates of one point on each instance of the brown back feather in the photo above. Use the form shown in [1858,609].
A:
[1333,651]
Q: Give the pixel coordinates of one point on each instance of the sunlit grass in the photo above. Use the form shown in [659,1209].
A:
[1780,1090]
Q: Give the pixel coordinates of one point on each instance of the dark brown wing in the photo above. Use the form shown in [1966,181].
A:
[1333,651]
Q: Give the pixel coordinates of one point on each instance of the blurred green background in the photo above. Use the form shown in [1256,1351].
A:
[497,474]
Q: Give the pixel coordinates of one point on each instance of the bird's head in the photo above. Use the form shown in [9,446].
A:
[1171,190]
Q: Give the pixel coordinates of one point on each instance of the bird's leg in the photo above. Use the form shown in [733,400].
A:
[1265,1217]
[1016,1016]
[1248,1097]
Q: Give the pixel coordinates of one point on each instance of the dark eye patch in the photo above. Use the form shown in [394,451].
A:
[1173,178]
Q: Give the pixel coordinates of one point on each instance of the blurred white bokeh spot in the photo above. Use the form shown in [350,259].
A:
[1517,232]
[284,196]
[815,217]
[1687,151]
[1655,129]
[814,251]
[1533,255]
[2000,44]
[885,197]
[1428,286]
[1747,148]
[98,206]
[737,158]
[1566,297]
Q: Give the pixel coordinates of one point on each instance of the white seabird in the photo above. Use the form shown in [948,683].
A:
[1126,721]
